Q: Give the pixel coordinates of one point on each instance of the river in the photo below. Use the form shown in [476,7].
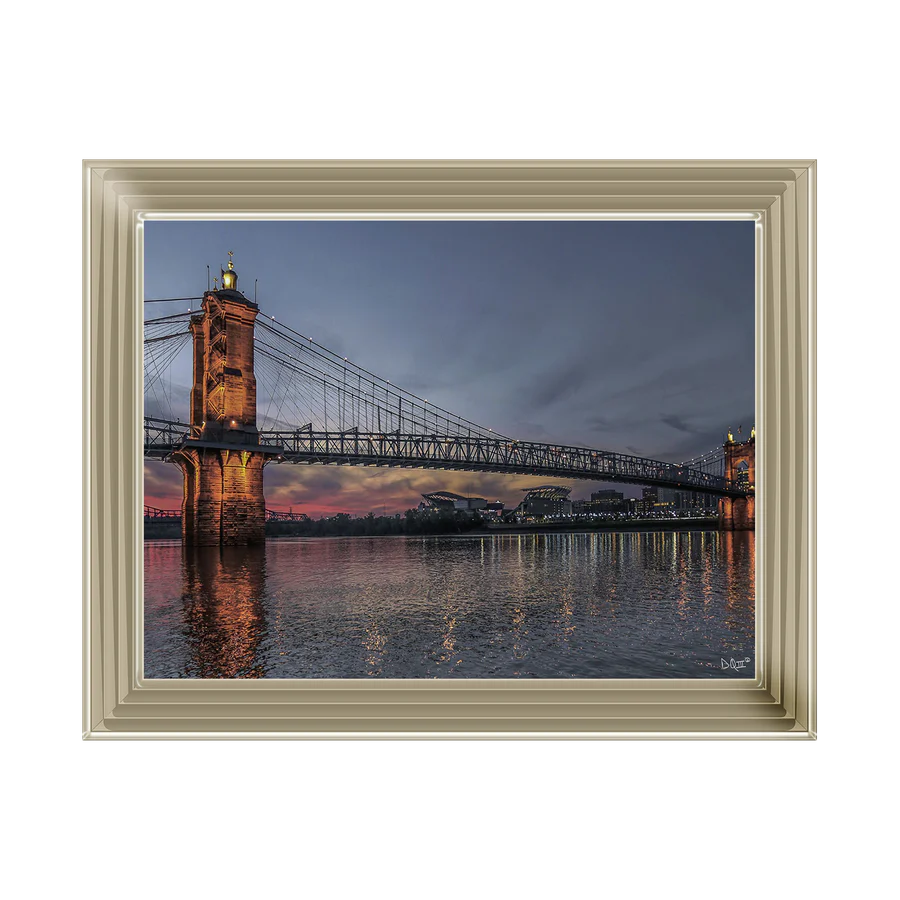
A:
[593,605]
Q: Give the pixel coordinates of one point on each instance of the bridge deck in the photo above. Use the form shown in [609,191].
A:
[473,454]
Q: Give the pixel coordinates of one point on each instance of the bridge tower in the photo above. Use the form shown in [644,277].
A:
[739,513]
[222,460]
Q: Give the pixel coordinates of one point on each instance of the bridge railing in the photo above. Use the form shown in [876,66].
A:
[275,515]
[162,436]
[152,512]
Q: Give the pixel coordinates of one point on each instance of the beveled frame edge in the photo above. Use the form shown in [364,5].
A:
[779,703]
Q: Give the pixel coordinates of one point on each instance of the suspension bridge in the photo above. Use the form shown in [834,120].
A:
[319,408]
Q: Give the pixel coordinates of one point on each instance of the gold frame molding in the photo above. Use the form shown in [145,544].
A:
[779,703]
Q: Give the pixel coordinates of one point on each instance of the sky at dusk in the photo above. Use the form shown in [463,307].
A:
[636,337]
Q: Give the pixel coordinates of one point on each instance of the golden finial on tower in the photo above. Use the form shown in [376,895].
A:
[229,276]
[753,432]
[215,282]
[730,436]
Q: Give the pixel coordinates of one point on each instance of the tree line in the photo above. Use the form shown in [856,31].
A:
[413,521]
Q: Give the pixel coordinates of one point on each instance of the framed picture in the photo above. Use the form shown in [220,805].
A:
[449,449]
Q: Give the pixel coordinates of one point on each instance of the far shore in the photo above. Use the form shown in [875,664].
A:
[710,524]
[172,530]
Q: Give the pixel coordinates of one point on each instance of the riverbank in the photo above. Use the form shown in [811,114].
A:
[172,530]
[577,527]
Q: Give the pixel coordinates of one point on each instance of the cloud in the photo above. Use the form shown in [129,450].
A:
[668,380]
[613,424]
[163,485]
[424,387]
[550,388]
[318,490]
[165,401]
[703,439]
[266,421]
[530,431]
[679,424]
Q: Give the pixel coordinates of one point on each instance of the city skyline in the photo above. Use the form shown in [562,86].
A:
[629,336]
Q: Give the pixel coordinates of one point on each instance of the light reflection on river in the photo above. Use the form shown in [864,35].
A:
[600,605]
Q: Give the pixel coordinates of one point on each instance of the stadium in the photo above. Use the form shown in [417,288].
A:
[546,501]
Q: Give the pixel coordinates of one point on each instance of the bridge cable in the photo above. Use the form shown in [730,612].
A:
[181,315]
[160,365]
[157,360]
[174,300]
[333,360]
[300,386]
[269,369]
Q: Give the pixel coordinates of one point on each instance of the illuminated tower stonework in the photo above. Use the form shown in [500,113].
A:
[222,460]
[739,513]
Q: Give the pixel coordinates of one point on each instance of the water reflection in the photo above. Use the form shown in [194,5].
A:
[448,640]
[603,605]
[374,643]
[566,618]
[706,570]
[224,613]
[519,633]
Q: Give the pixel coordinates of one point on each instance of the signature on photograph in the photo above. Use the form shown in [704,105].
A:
[734,663]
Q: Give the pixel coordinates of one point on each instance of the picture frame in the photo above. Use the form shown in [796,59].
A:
[118,703]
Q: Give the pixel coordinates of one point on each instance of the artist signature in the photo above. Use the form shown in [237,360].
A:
[734,663]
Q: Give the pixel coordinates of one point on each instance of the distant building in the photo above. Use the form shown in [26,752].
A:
[654,501]
[607,495]
[493,510]
[449,501]
[742,475]
[657,501]
[608,501]
[545,501]
[666,500]
[695,502]
[647,504]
